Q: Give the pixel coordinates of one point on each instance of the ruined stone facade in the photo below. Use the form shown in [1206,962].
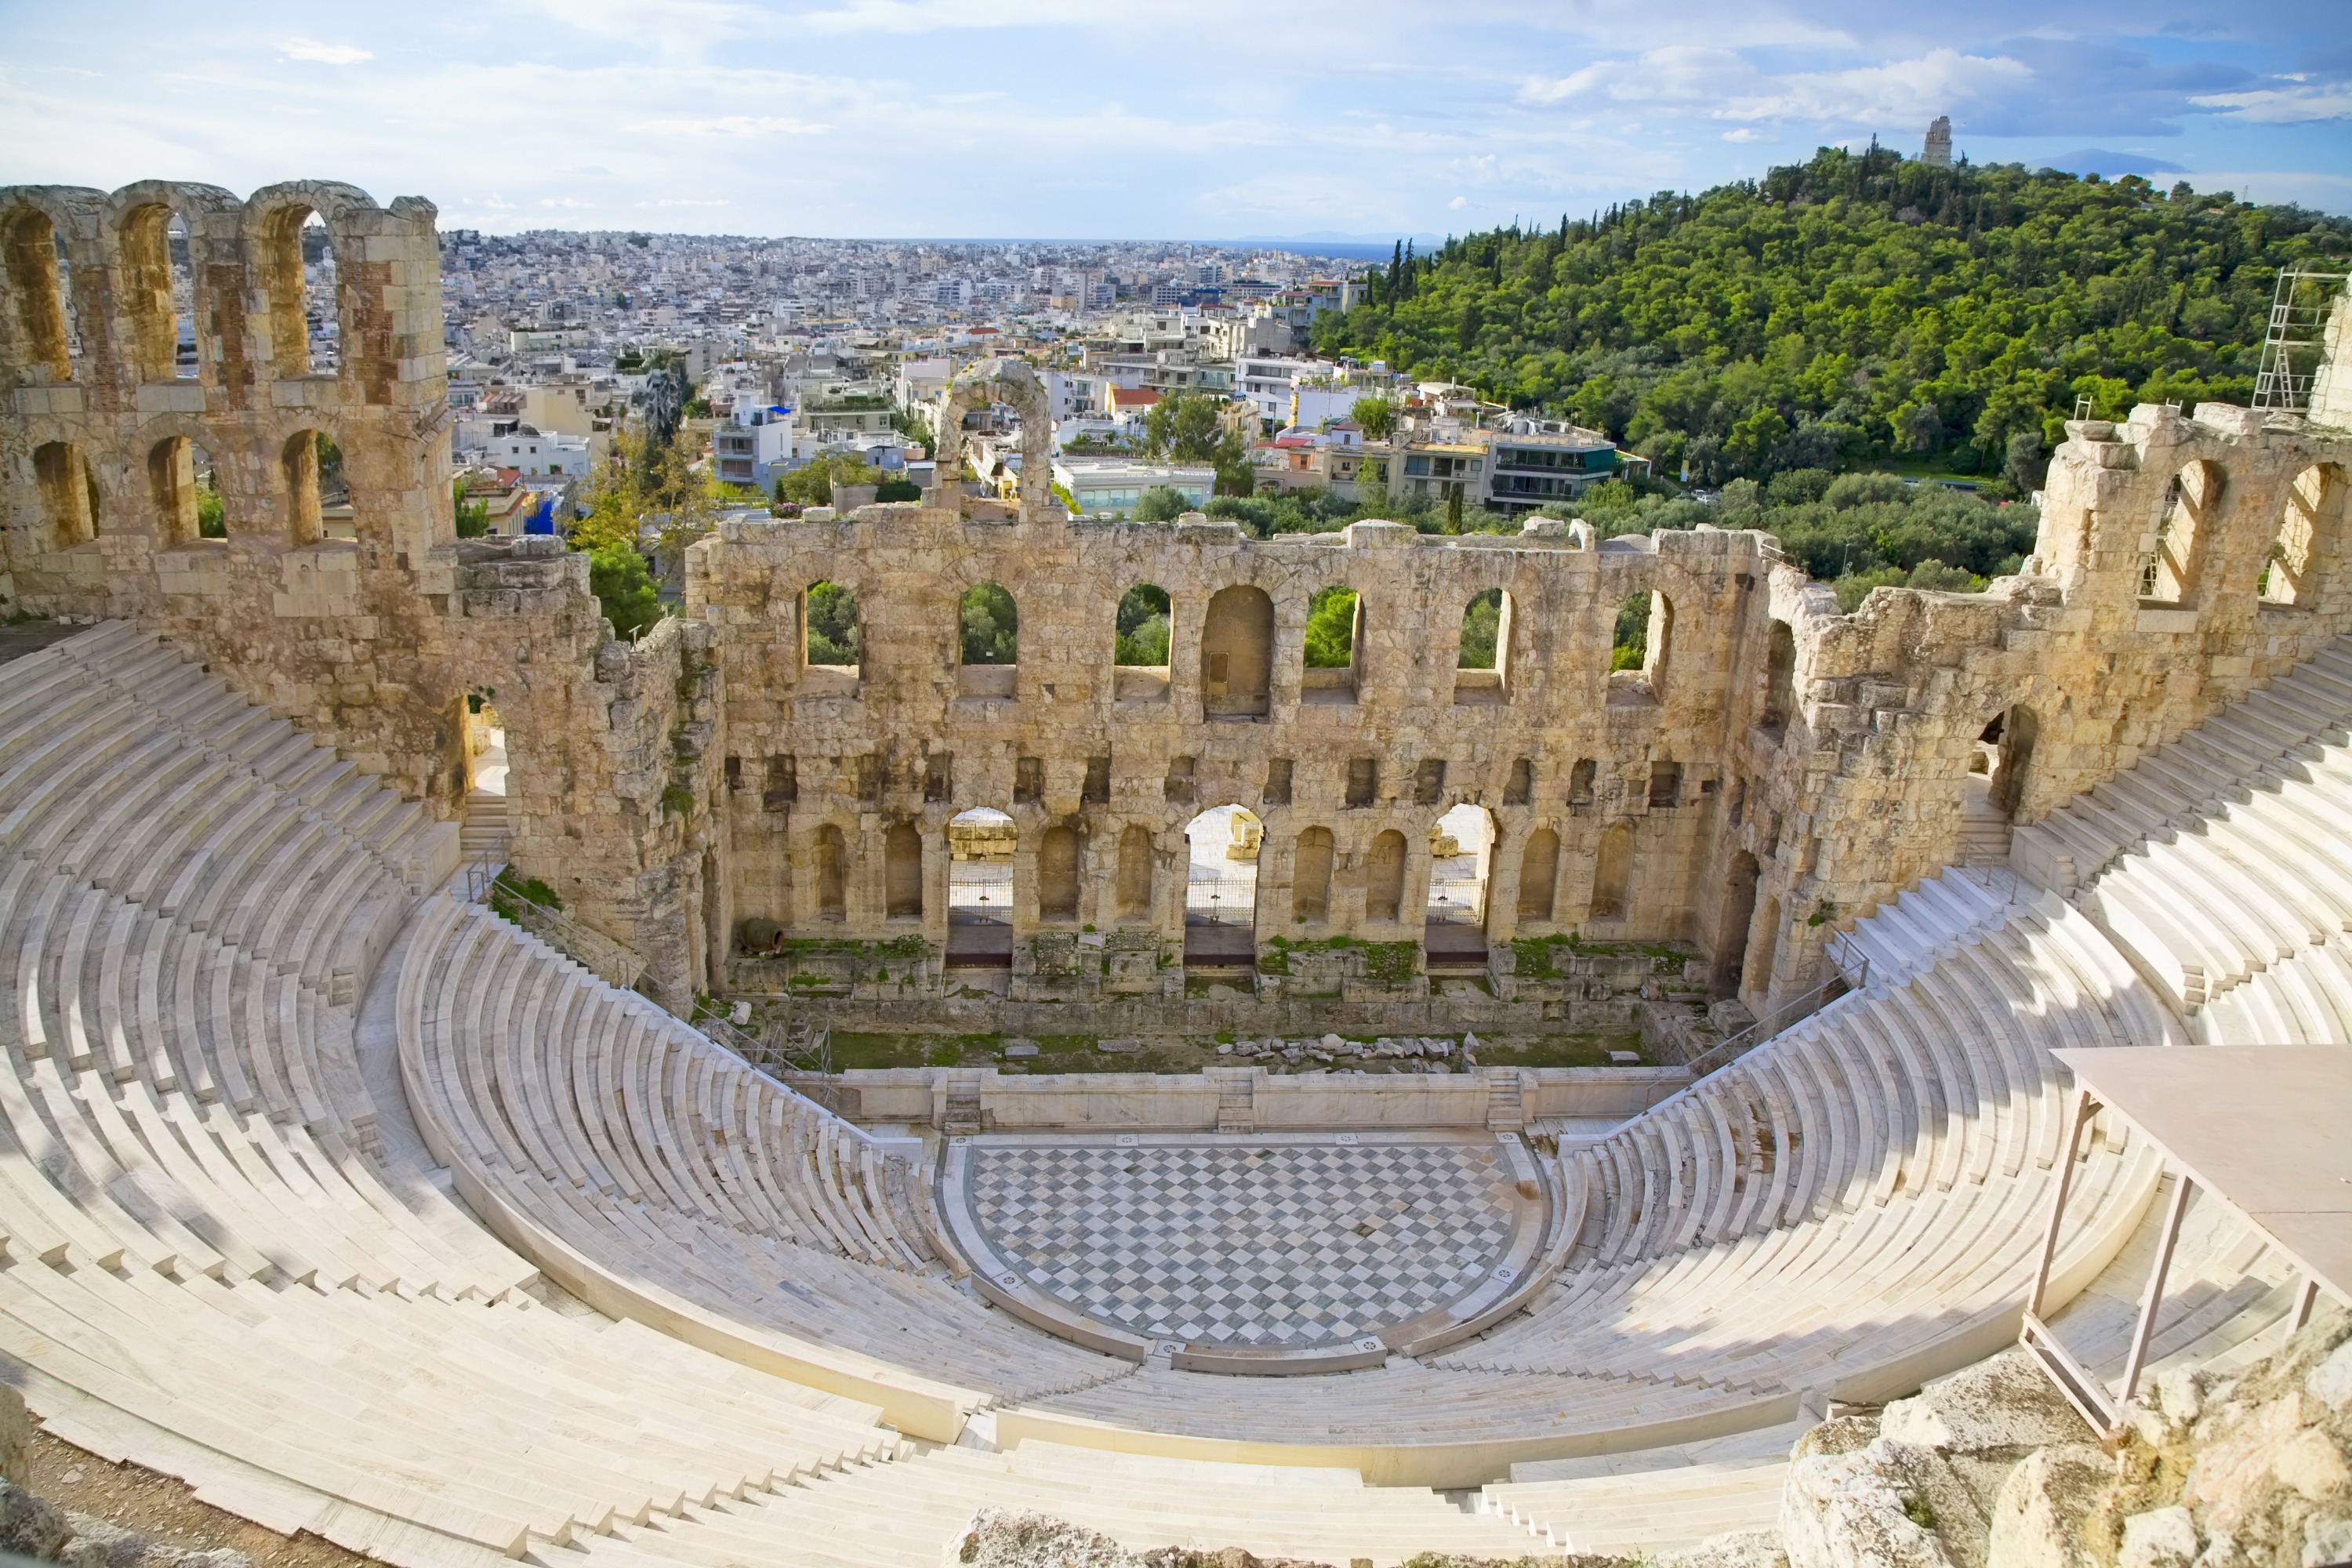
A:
[1772,772]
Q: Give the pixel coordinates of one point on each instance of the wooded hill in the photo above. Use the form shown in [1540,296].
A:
[1857,307]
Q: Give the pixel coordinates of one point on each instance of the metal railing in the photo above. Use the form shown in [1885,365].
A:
[1221,901]
[1796,1010]
[980,892]
[609,961]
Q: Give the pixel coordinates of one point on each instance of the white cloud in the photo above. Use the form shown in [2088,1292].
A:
[1743,134]
[1721,84]
[1458,202]
[2298,105]
[730,125]
[326,54]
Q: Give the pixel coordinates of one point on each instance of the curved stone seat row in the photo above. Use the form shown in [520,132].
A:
[206,1271]
[907,1515]
[672,1180]
[2172,785]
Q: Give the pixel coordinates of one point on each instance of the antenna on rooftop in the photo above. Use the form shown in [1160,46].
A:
[2291,343]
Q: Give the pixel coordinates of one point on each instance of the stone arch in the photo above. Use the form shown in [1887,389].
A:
[829,873]
[187,509]
[1641,642]
[1780,675]
[2013,734]
[69,498]
[1311,876]
[1332,649]
[1538,875]
[275,216]
[1612,872]
[2306,538]
[831,634]
[1384,877]
[902,872]
[1238,653]
[1059,873]
[1482,658]
[2168,568]
[40,295]
[1458,882]
[1132,892]
[1014,382]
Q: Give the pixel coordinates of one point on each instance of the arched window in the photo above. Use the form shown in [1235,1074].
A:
[2168,573]
[829,873]
[298,275]
[159,293]
[1134,890]
[1238,653]
[1612,872]
[1141,638]
[1057,875]
[988,626]
[981,843]
[1334,660]
[831,636]
[1384,877]
[69,503]
[41,286]
[188,505]
[902,872]
[2290,574]
[1139,646]
[1461,858]
[1311,876]
[1780,677]
[1642,641]
[302,470]
[1481,664]
[1538,874]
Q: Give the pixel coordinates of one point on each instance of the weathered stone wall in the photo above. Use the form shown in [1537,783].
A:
[671,788]
[375,641]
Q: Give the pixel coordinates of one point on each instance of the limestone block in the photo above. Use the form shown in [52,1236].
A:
[2002,1403]
[2310,1463]
[1850,1510]
[2160,1538]
[2330,1382]
[2037,1520]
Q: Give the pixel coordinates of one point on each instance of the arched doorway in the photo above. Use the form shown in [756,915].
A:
[1995,785]
[1238,653]
[1731,935]
[1222,847]
[1460,857]
[981,843]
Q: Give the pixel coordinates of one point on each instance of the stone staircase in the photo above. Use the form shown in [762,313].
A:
[486,829]
[1236,1098]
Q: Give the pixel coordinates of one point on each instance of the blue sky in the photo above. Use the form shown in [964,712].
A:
[1131,119]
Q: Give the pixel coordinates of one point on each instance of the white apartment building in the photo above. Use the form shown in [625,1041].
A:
[1105,487]
[538,454]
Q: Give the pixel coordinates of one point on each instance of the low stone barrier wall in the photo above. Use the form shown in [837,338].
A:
[1199,1102]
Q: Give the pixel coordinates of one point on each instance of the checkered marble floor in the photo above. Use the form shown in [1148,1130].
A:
[1275,1243]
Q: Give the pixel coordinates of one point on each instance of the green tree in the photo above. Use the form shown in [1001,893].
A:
[1184,428]
[1160,503]
[915,426]
[991,624]
[212,515]
[1849,309]
[617,576]
[473,516]
[833,635]
[1142,636]
[1331,629]
[1375,416]
[812,483]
